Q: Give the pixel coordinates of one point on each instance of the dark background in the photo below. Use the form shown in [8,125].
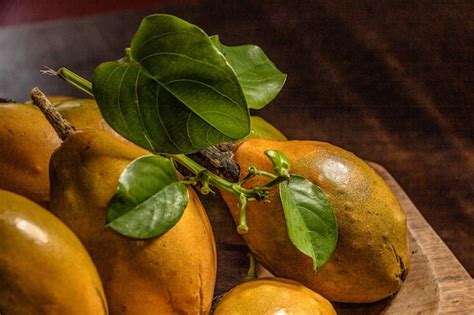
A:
[388,80]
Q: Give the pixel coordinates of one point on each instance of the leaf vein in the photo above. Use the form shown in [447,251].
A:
[144,44]
[187,130]
[118,100]
[190,58]
[146,134]
[210,87]
[261,80]
[314,214]
[161,120]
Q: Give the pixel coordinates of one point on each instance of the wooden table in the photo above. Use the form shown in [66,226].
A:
[391,82]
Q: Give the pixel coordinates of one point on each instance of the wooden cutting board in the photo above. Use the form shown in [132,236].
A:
[436,283]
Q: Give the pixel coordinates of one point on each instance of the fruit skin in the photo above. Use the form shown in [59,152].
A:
[24,164]
[228,240]
[269,296]
[85,114]
[215,206]
[173,273]
[44,268]
[371,257]
[53,99]
[262,129]
[27,141]
[81,113]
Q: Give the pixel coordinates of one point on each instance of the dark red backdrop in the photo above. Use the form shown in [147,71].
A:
[13,12]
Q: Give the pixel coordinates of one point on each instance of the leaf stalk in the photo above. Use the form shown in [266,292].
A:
[252,272]
[213,179]
[75,80]
[243,227]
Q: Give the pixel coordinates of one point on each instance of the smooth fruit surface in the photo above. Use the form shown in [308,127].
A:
[27,141]
[273,296]
[371,256]
[171,274]
[83,114]
[222,222]
[44,268]
[262,129]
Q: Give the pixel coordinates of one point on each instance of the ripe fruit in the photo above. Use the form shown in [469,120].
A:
[371,257]
[84,114]
[172,273]
[27,141]
[269,296]
[44,268]
[262,129]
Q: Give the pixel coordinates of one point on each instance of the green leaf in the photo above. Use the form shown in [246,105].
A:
[309,218]
[281,165]
[261,81]
[173,92]
[150,198]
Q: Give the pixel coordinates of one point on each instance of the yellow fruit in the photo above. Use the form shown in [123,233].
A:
[221,219]
[171,274]
[27,141]
[53,99]
[262,129]
[371,256]
[273,296]
[44,268]
[215,206]
[84,114]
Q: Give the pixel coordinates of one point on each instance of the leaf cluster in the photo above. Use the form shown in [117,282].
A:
[177,91]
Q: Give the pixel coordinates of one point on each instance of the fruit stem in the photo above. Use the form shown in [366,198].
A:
[253,171]
[243,227]
[213,179]
[62,127]
[251,273]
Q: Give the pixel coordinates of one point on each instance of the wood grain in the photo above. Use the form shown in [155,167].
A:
[436,283]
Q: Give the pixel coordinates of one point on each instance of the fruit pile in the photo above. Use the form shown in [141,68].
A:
[126,233]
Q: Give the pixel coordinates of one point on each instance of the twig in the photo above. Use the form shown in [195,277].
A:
[219,159]
[62,127]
